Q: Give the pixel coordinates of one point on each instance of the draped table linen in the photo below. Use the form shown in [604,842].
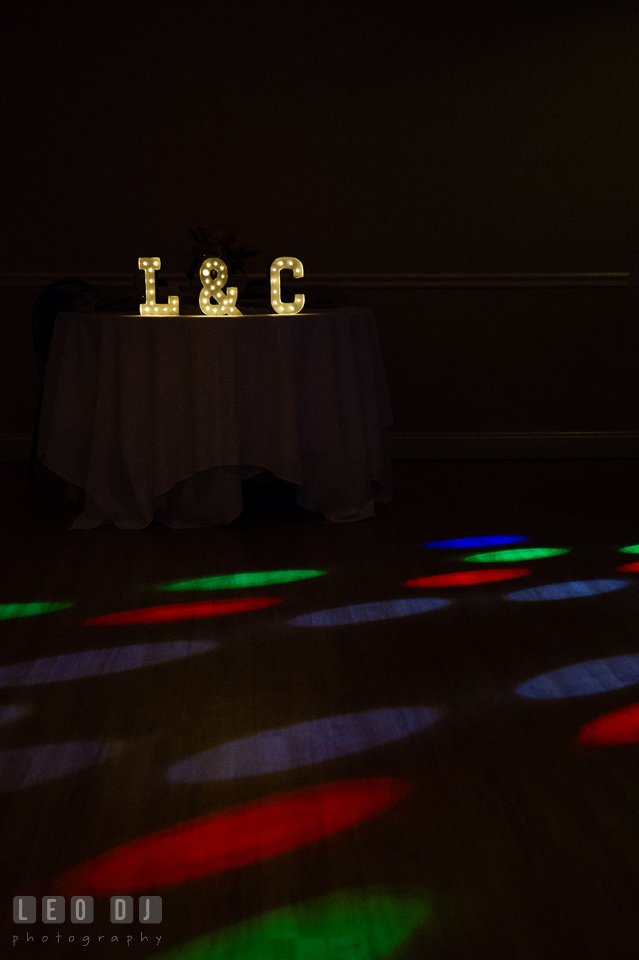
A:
[164,416]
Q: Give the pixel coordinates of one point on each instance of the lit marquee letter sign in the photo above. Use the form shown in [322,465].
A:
[214,276]
[285,263]
[150,265]
[212,287]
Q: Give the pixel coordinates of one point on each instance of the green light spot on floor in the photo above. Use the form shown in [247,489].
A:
[9,611]
[532,553]
[633,549]
[233,580]
[348,925]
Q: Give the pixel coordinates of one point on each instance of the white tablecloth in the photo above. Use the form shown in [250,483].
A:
[164,416]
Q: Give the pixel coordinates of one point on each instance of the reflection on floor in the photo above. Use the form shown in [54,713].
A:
[355,748]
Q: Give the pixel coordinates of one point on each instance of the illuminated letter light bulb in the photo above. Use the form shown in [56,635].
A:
[285,263]
[214,275]
[150,307]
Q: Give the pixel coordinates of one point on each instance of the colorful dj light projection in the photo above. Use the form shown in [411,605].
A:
[468,577]
[10,611]
[632,549]
[583,679]
[183,611]
[95,663]
[302,744]
[368,612]
[233,838]
[466,543]
[620,726]
[629,567]
[10,713]
[232,581]
[32,765]
[357,924]
[568,590]
[516,556]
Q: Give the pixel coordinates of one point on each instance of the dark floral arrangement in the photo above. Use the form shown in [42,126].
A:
[218,243]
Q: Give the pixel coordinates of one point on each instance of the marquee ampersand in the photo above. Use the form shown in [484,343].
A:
[214,276]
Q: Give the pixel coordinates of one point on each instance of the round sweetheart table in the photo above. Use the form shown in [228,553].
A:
[163,417]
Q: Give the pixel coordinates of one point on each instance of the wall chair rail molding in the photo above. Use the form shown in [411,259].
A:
[360,280]
[516,445]
[578,445]
[460,280]
[494,313]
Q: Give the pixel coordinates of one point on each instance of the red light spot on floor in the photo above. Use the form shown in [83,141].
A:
[620,726]
[468,577]
[233,838]
[629,567]
[183,611]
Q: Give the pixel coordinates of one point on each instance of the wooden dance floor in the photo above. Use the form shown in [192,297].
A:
[323,761]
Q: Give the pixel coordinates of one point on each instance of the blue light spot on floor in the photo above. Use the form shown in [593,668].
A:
[302,744]
[32,765]
[465,542]
[93,663]
[10,713]
[368,612]
[581,679]
[567,590]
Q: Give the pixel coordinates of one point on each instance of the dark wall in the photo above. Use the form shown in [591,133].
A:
[445,136]
[438,136]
